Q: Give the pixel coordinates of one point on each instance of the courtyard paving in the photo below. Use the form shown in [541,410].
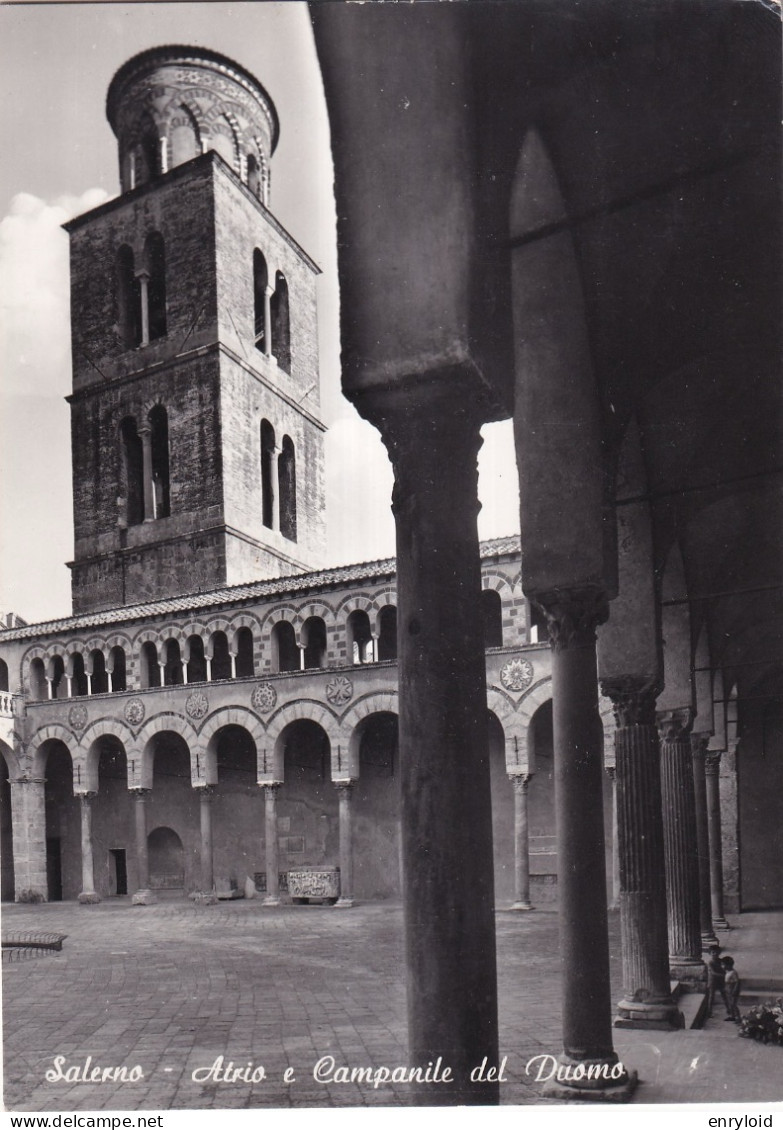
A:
[174,987]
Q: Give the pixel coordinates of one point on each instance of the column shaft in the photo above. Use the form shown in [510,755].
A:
[712,775]
[521,843]
[207,866]
[146,471]
[698,752]
[581,863]
[143,894]
[88,894]
[28,824]
[680,849]
[611,773]
[345,799]
[272,854]
[448,884]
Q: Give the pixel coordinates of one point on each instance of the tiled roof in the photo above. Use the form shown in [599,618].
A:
[298,583]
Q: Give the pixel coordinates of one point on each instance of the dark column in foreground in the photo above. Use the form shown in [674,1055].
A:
[647,1000]
[573,617]
[448,885]
[680,849]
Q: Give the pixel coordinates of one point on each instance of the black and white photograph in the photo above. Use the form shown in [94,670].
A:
[391,576]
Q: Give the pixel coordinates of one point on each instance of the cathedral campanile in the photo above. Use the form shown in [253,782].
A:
[196,437]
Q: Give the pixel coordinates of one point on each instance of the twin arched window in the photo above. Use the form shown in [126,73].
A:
[141,293]
[272,320]
[145,478]
[278,483]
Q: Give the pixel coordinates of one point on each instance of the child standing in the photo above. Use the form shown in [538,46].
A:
[716,981]
[732,987]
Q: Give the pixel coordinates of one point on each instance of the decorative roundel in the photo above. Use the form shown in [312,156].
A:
[134,711]
[77,716]
[339,690]
[516,674]
[264,697]
[197,704]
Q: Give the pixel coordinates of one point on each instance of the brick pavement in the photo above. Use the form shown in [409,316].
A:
[173,987]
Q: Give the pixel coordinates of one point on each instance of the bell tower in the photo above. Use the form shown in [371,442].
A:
[197,443]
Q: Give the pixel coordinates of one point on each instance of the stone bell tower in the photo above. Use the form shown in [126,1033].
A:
[197,443]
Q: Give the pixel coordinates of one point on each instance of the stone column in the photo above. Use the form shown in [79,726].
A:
[712,778]
[446,818]
[88,893]
[272,853]
[143,895]
[146,469]
[268,292]
[698,753]
[611,772]
[647,1000]
[572,619]
[144,278]
[28,824]
[345,798]
[520,781]
[206,793]
[680,849]
[274,455]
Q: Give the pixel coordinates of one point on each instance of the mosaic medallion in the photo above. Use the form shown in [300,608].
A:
[77,716]
[264,697]
[196,705]
[339,690]
[517,674]
[134,711]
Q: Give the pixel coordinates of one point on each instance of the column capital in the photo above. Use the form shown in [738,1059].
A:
[345,784]
[520,781]
[712,762]
[611,772]
[270,786]
[87,795]
[674,725]
[205,791]
[140,794]
[633,699]
[572,615]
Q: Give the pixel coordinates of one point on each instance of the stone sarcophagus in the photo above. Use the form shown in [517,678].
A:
[310,884]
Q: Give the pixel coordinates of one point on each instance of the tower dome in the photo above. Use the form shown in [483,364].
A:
[167,105]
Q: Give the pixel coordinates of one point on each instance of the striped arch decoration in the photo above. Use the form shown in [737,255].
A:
[345,755]
[514,731]
[54,731]
[535,698]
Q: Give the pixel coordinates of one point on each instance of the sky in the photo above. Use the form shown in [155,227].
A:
[56,62]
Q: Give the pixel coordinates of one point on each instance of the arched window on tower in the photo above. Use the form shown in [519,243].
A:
[128,293]
[155,255]
[159,442]
[314,639]
[132,471]
[268,475]
[59,681]
[253,175]
[147,152]
[387,638]
[38,688]
[281,324]
[197,663]
[78,674]
[286,478]
[184,137]
[285,652]
[260,279]
[492,616]
[172,671]
[99,678]
[360,641]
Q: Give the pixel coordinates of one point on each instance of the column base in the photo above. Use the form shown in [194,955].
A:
[344,903]
[89,898]
[602,1081]
[271,901]
[144,898]
[691,974]
[642,1014]
[720,924]
[521,906]
[708,939]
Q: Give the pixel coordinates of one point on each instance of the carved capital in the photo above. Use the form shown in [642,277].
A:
[205,792]
[611,772]
[86,798]
[141,795]
[572,615]
[345,786]
[712,762]
[633,699]
[271,787]
[674,725]
[520,781]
